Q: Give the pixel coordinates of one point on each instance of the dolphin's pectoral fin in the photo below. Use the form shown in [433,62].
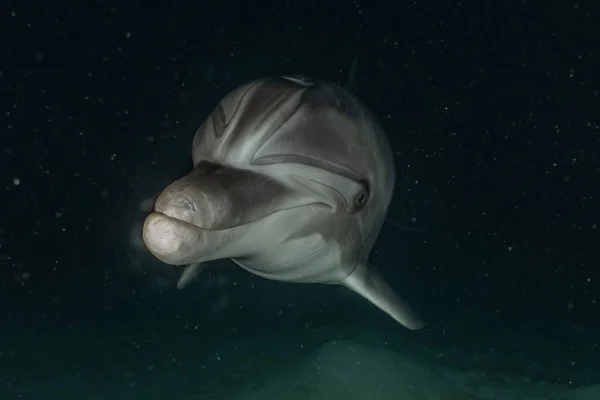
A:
[370,285]
[189,274]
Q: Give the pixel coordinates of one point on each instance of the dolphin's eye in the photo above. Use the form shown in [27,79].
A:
[360,199]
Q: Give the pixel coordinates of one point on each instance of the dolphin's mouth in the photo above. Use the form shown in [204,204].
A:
[179,207]
[196,216]
[174,218]
[177,215]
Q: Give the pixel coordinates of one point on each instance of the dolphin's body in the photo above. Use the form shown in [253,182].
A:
[292,180]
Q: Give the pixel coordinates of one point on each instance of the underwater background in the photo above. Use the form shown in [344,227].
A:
[493,113]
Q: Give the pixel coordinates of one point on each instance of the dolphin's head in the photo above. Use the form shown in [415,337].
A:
[292,180]
[276,161]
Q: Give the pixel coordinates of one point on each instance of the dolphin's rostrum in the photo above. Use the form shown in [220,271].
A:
[292,180]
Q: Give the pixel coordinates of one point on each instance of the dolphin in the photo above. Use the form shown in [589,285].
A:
[292,180]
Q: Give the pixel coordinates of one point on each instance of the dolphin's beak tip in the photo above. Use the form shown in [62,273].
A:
[160,235]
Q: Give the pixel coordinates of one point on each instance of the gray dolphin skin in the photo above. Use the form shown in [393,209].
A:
[292,180]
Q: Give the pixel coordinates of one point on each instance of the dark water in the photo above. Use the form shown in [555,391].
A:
[492,113]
